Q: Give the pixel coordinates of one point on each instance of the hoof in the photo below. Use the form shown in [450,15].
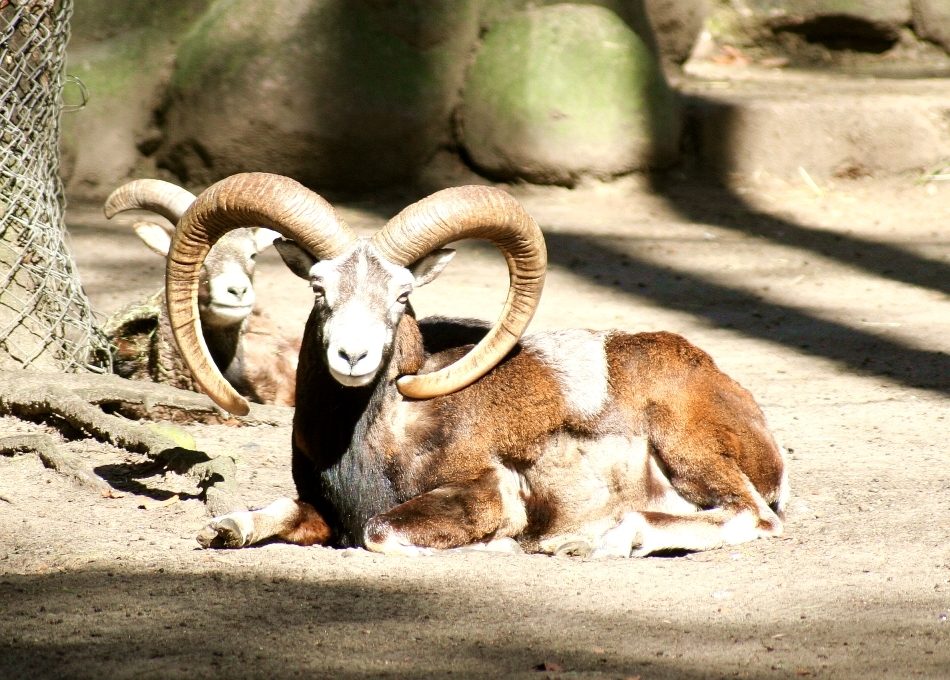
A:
[223,533]
[574,549]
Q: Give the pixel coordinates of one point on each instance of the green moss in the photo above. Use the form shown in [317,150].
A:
[632,13]
[585,81]
[566,85]
[109,70]
[96,20]
[118,46]
[217,47]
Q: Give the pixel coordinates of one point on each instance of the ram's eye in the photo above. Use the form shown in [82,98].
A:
[317,287]
[403,298]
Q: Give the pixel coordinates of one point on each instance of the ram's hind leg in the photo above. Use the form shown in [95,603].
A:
[289,520]
[733,511]
[645,533]
[711,448]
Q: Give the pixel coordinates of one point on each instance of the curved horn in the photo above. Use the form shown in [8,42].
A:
[471,212]
[268,200]
[167,199]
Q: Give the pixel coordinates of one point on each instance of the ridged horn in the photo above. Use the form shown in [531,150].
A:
[167,199]
[471,212]
[272,201]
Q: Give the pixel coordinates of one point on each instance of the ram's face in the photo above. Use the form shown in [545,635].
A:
[360,298]
[226,289]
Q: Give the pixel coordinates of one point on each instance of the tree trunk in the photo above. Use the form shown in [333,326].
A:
[45,320]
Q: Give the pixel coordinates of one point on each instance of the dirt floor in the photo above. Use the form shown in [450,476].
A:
[830,302]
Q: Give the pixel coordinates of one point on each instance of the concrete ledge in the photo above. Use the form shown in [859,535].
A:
[777,122]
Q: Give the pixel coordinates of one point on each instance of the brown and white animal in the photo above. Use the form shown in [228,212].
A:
[407,439]
[243,340]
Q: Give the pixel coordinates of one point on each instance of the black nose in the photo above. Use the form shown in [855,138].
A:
[352,358]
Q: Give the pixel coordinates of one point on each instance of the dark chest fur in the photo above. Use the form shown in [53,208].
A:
[338,468]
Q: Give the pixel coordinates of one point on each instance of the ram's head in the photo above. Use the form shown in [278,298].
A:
[361,286]
[226,289]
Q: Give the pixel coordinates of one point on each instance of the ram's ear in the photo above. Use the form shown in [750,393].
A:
[156,236]
[298,260]
[426,269]
[264,237]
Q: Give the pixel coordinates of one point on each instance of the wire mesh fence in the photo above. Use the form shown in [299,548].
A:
[45,318]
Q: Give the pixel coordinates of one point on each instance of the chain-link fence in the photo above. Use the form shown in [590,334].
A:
[45,319]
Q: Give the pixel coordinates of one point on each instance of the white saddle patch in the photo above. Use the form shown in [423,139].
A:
[579,362]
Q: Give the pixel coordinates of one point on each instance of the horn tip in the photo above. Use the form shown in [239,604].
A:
[407,387]
[238,407]
[417,387]
[109,208]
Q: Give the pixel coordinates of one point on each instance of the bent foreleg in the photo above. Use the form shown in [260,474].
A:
[485,509]
[290,520]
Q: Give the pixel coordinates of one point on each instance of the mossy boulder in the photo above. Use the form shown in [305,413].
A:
[560,92]
[340,94]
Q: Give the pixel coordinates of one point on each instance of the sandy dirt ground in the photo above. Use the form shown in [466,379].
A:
[828,302]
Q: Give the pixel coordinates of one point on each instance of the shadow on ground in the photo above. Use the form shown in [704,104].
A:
[120,624]
[726,307]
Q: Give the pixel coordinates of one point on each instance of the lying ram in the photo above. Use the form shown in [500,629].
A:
[243,340]
[406,439]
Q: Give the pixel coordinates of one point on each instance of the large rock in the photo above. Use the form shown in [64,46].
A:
[339,94]
[932,21]
[122,53]
[560,92]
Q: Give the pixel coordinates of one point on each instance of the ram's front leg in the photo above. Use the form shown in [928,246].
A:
[488,507]
[287,519]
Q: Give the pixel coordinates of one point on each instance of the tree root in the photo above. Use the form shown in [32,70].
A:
[82,405]
[133,399]
[44,446]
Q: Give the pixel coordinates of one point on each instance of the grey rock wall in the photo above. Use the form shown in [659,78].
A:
[344,94]
[932,21]
[353,94]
